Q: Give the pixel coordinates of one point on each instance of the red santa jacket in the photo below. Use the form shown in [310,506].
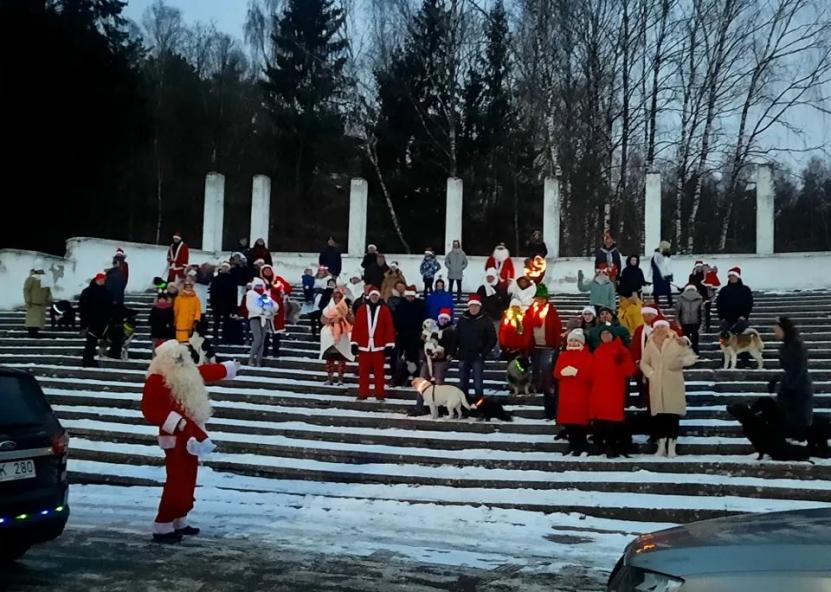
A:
[638,343]
[544,314]
[373,332]
[160,408]
[280,290]
[613,365]
[575,391]
[177,260]
[505,269]
[514,333]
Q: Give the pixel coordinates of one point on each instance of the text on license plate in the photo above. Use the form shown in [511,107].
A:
[17,469]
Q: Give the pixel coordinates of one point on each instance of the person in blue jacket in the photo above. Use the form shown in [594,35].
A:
[439,299]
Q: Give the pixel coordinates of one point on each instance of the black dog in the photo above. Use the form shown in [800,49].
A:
[488,408]
[762,426]
[62,315]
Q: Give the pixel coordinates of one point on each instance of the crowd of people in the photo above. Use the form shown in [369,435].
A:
[582,366]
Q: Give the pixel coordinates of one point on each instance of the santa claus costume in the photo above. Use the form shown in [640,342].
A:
[373,333]
[501,262]
[574,372]
[175,399]
[178,256]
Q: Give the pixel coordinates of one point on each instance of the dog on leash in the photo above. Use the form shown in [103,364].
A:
[444,395]
[761,426]
[519,375]
[733,344]
[62,315]
[488,408]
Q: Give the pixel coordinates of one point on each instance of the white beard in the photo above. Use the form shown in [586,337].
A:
[500,254]
[185,383]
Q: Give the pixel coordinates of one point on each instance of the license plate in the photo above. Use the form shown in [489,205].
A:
[17,469]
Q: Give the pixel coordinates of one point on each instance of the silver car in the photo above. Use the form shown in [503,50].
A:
[776,552]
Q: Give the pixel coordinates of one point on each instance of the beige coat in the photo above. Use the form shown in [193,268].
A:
[37,299]
[664,369]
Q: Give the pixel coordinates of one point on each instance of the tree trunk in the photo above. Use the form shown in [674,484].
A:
[373,158]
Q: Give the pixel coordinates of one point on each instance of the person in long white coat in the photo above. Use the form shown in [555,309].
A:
[336,337]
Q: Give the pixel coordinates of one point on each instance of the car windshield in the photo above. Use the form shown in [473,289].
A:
[21,402]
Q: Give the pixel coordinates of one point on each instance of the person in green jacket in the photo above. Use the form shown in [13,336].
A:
[601,289]
[606,321]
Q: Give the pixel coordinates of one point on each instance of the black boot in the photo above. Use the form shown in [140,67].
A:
[187,531]
[167,538]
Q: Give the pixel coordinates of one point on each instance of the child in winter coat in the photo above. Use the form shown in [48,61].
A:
[601,289]
[308,281]
[689,310]
[429,268]
[613,366]
[574,372]
[162,326]
[439,300]
[187,310]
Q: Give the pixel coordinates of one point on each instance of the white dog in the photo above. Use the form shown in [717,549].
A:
[436,395]
[430,335]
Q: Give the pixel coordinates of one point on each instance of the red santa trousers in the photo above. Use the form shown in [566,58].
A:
[371,362]
[179,487]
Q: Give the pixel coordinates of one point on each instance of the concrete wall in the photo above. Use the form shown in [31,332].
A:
[87,256]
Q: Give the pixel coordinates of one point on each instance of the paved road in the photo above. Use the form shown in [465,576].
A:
[83,561]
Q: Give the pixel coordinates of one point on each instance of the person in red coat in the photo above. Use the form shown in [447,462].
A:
[613,366]
[178,256]
[372,336]
[574,372]
[280,289]
[500,260]
[638,344]
[175,399]
[515,339]
[545,329]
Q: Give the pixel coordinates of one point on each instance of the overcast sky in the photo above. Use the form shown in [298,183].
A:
[229,15]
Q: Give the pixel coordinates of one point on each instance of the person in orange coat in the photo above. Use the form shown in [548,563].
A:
[175,399]
[613,366]
[187,310]
[515,337]
[574,372]
[372,336]
[178,256]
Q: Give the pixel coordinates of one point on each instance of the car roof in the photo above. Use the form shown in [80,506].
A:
[6,371]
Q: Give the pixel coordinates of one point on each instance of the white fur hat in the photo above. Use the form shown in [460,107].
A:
[660,323]
[649,310]
[577,335]
[589,309]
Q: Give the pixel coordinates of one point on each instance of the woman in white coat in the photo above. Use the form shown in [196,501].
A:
[336,336]
[664,359]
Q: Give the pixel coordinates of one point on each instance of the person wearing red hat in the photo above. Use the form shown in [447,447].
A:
[501,261]
[372,335]
[178,256]
[651,314]
[734,303]
[176,401]
[440,359]
[475,337]
[96,308]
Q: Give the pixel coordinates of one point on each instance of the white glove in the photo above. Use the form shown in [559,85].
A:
[200,449]
[569,371]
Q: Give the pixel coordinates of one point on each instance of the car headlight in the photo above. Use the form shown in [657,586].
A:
[655,582]
[626,578]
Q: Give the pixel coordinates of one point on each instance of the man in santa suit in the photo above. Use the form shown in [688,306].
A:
[372,335]
[501,262]
[638,345]
[176,400]
[178,256]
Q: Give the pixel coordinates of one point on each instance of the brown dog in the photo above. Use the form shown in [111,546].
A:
[732,345]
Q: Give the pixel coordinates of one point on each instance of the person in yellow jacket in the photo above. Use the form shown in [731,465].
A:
[629,314]
[187,310]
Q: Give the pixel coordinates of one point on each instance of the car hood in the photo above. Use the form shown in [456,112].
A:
[794,540]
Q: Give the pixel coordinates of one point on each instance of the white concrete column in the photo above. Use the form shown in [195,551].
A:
[358,192]
[453,212]
[764,210]
[260,208]
[551,216]
[214,212]
[652,213]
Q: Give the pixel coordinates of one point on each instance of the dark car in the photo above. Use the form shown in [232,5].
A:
[774,552]
[33,480]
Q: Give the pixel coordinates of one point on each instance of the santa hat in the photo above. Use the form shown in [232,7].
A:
[698,263]
[491,271]
[370,247]
[225,264]
[577,335]
[373,290]
[516,302]
[410,291]
[602,268]
[257,283]
[445,314]
[323,268]
[119,252]
[474,299]
[660,323]
[100,276]
[590,310]
[736,271]
[542,292]
[177,234]
[690,287]
[649,310]
[166,346]
[428,251]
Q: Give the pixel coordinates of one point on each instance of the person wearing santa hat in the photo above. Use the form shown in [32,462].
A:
[542,322]
[476,337]
[495,299]
[175,399]
[650,314]
[447,342]
[178,256]
[734,303]
[408,319]
[574,372]
[260,310]
[372,335]
[712,284]
[500,260]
